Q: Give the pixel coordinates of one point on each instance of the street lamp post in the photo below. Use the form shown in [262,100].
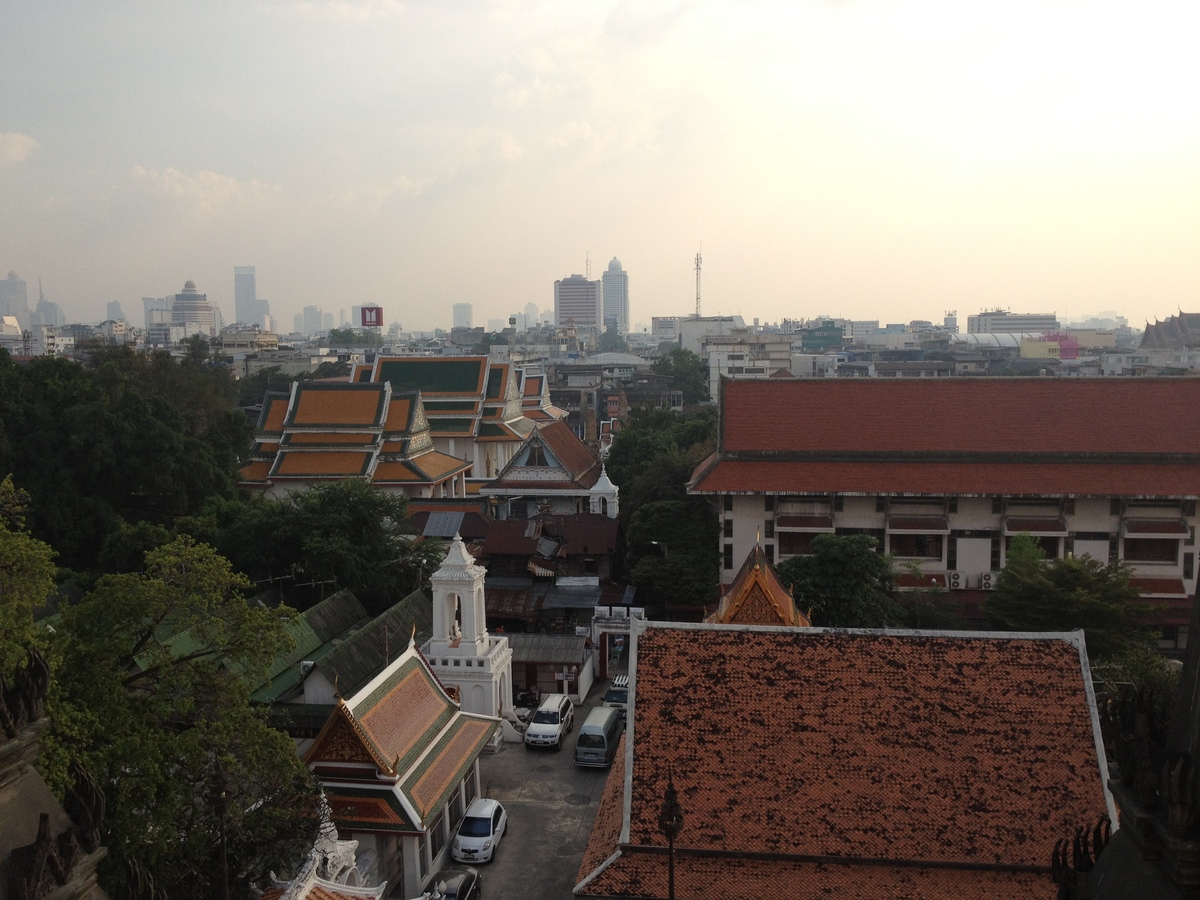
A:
[670,823]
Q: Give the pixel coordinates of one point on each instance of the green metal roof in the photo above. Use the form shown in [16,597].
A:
[439,376]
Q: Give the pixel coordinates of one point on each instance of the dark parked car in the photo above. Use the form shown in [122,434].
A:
[456,884]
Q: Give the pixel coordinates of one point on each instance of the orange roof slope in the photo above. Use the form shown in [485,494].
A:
[853,761]
[998,415]
[1078,436]
[758,597]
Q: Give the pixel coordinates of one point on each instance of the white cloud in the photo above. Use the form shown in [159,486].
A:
[342,10]
[204,192]
[15,148]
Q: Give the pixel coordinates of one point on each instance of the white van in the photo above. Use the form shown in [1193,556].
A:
[554,717]
[598,738]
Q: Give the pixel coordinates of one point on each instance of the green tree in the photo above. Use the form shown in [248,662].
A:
[348,534]
[673,549]
[152,697]
[654,455]
[130,438]
[26,576]
[612,342]
[844,582]
[1036,594]
[689,371]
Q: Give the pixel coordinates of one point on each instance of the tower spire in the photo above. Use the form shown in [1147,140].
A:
[698,261]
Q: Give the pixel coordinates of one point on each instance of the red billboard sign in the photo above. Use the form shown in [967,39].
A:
[372,317]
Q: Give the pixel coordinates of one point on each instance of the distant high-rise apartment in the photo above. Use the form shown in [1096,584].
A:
[115,313]
[191,310]
[615,283]
[577,300]
[462,315]
[49,313]
[248,307]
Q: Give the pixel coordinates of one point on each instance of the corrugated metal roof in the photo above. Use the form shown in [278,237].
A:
[547,648]
[443,524]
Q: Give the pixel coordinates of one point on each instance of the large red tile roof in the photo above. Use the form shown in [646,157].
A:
[1013,415]
[941,477]
[569,449]
[1077,436]
[928,764]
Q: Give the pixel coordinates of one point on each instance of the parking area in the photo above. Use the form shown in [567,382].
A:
[551,804]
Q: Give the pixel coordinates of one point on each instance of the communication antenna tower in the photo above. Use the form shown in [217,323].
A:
[698,261]
[587,266]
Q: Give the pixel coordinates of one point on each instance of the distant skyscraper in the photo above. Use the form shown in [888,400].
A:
[14,299]
[312,320]
[248,307]
[462,315]
[192,310]
[115,313]
[49,313]
[577,300]
[327,321]
[531,315]
[616,296]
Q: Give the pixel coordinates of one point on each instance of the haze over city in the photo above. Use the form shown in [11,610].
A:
[874,160]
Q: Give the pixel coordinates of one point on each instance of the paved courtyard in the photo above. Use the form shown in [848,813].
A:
[551,804]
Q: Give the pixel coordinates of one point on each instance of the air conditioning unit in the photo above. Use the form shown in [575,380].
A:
[956,581]
[987,580]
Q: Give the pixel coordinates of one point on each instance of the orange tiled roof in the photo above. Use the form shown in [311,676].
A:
[568,448]
[437,465]
[274,409]
[328,463]
[932,752]
[397,473]
[758,597]
[940,477]
[258,470]
[1078,436]
[399,412]
[1000,415]
[332,405]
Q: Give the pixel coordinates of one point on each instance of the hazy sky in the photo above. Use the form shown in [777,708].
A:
[887,160]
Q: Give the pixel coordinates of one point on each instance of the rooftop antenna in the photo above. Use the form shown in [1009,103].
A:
[587,266]
[698,261]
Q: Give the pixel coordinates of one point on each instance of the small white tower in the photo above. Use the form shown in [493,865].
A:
[461,652]
[459,618]
[602,496]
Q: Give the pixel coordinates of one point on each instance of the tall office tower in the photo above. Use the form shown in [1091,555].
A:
[115,313]
[248,307]
[192,310]
[577,300]
[49,313]
[312,320]
[462,315]
[531,315]
[327,321]
[14,299]
[616,296]
[245,295]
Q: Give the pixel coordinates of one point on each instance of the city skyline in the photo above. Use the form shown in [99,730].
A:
[870,160]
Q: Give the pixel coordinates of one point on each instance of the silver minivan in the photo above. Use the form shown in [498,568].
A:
[598,738]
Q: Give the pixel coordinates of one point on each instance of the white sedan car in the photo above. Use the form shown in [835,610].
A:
[480,831]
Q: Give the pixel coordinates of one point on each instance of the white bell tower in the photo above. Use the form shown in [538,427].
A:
[461,652]
[459,619]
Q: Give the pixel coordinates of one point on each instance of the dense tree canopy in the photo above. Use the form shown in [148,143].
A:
[129,437]
[345,534]
[844,582]
[152,697]
[673,554]
[26,576]
[689,371]
[1036,594]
